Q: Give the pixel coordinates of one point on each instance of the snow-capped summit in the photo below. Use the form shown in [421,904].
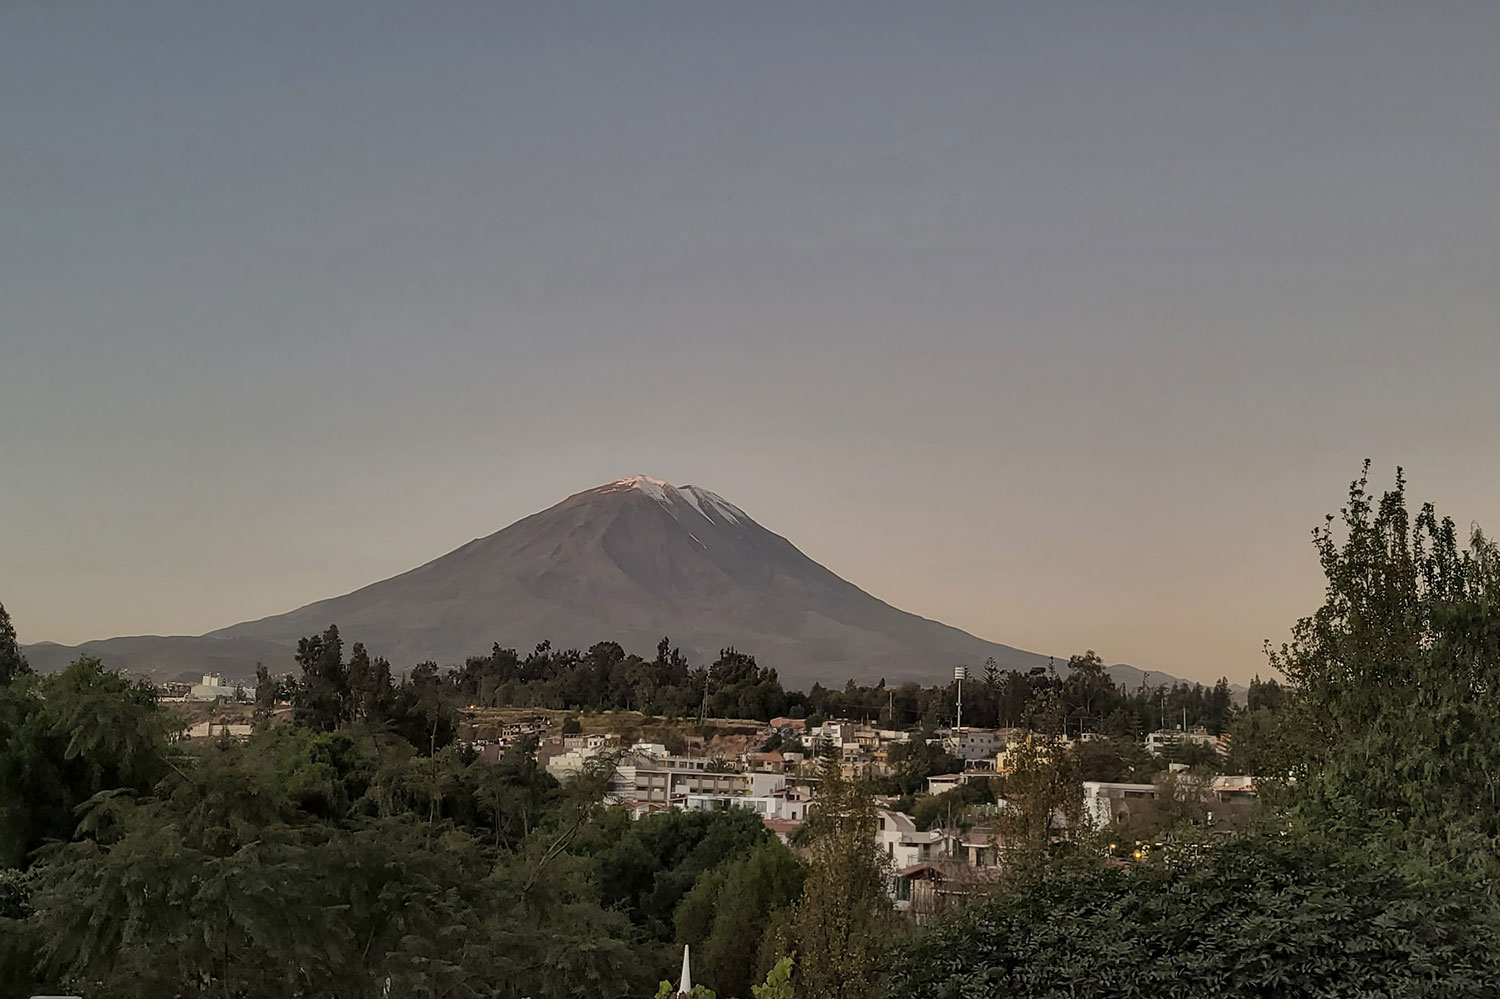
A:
[708,504]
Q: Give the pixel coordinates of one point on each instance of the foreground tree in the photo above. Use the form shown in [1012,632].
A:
[845,922]
[1043,790]
[67,737]
[733,915]
[1395,682]
[1258,917]
[12,662]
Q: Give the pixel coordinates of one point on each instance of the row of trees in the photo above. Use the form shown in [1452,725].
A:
[605,677]
[1079,697]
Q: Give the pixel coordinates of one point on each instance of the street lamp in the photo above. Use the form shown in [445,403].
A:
[960,673]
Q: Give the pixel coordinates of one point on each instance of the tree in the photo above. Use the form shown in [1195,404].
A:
[1220,707]
[322,701]
[265,694]
[1395,678]
[1043,791]
[421,712]
[647,868]
[845,919]
[370,688]
[66,738]
[12,662]
[1086,688]
[1113,758]
[732,916]
[1261,916]
[917,759]
[1264,694]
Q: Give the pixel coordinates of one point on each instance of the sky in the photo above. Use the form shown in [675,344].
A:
[1062,323]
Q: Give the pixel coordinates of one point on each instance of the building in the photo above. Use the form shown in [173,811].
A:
[216,729]
[768,762]
[905,845]
[1106,803]
[974,744]
[924,891]
[213,687]
[1165,739]
[1223,797]
[939,783]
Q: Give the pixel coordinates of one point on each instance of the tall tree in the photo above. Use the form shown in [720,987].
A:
[732,916]
[1396,675]
[66,738]
[12,662]
[370,685]
[265,693]
[322,700]
[845,920]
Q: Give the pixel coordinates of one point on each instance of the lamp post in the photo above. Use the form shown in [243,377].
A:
[960,673]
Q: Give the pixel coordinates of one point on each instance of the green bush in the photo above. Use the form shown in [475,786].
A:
[1262,916]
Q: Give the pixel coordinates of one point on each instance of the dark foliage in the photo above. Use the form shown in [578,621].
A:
[1264,916]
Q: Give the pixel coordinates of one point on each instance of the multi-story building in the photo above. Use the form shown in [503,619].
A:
[976,743]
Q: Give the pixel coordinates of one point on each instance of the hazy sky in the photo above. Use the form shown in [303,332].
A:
[1063,323]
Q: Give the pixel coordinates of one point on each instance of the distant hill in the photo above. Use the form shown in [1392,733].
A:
[167,657]
[629,561]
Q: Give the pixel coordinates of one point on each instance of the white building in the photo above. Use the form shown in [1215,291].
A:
[212,688]
[972,744]
[904,844]
[1163,739]
[213,729]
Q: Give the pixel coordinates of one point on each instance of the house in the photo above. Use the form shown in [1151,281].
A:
[1226,797]
[925,890]
[782,828]
[1227,789]
[1106,803]
[777,805]
[939,783]
[772,762]
[904,844]
[980,847]
[972,744]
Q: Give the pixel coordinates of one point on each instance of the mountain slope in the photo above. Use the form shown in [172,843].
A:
[631,561]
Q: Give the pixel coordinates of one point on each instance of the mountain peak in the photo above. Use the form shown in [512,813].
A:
[708,504]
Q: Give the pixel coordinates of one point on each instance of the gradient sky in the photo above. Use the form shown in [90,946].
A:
[1063,323]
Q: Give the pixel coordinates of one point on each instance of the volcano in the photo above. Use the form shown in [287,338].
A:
[628,561]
